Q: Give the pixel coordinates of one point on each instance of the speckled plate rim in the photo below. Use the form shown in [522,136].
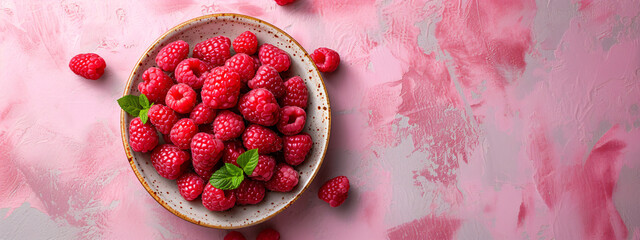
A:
[127,148]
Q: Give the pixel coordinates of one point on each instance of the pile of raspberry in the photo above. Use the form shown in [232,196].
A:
[214,105]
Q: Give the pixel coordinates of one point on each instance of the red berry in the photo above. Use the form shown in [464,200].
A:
[190,186]
[292,120]
[256,62]
[284,2]
[181,98]
[268,78]
[247,43]
[206,152]
[335,191]
[268,234]
[264,169]
[228,125]
[167,138]
[259,106]
[296,93]
[182,132]
[233,235]
[217,200]
[275,57]
[88,65]
[249,192]
[296,148]
[191,71]
[215,50]
[162,117]
[155,84]
[262,138]
[142,137]
[243,64]
[232,150]
[326,59]
[221,88]
[170,55]
[202,114]
[284,179]
[169,161]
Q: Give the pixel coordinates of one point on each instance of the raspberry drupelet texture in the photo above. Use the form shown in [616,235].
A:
[191,71]
[206,151]
[292,120]
[243,64]
[181,98]
[232,150]
[259,106]
[163,118]
[182,132]
[284,179]
[216,199]
[221,88]
[190,186]
[170,55]
[296,93]
[142,137]
[326,59]
[256,62]
[268,234]
[246,43]
[88,65]
[169,161]
[296,148]
[234,235]
[335,191]
[265,168]
[275,57]
[268,78]
[249,192]
[261,138]
[215,50]
[228,125]
[155,84]
[202,114]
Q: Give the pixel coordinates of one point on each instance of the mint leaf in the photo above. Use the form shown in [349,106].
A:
[248,161]
[144,115]
[144,101]
[228,177]
[130,104]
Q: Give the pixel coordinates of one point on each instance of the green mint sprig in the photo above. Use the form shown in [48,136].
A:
[137,106]
[230,176]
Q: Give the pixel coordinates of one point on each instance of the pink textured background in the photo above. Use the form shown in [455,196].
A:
[495,119]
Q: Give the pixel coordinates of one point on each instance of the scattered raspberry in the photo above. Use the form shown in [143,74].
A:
[249,192]
[202,114]
[217,200]
[155,84]
[326,59]
[181,98]
[259,106]
[335,191]
[262,138]
[228,125]
[232,150]
[268,78]
[284,179]
[296,93]
[206,152]
[268,234]
[292,120]
[142,137]
[88,65]
[296,148]
[215,50]
[170,55]
[221,88]
[284,2]
[191,72]
[275,57]
[233,235]
[264,169]
[182,133]
[162,117]
[246,43]
[169,161]
[190,186]
[243,64]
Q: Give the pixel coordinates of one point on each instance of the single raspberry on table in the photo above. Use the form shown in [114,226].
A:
[182,132]
[284,179]
[202,114]
[215,50]
[155,84]
[216,199]
[163,118]
[261,138]
[249,192]
[169,161]
[326,59]
[190,186]
[275,57]
[268,234]
[246,43]
[335,191]
[232,150]
[296,148]
[265,168]
[191,71]
[88,65]
[284,2]
[142,137]
[296,93]
[206,151]
[221,88]
[170,55]
[292,120]
[181,98]
[234,235]
[268,78]
[228,125]
[259,106]
[243,64]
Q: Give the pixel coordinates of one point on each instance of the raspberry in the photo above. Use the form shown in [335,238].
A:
[88,65]
[205,173]
[228,125]
[182,132]
[181,98]
[221,88]
[259,106]
[264,169]
[292,120]
[262,138]
[206,152]
[284,2]
[335,191]
[232,150]
[268,234]
[256,62]
[190,186]
[166,138]
[169,161]
[284,179]
[326,59]
[247,43]
[170,55]
[296,93]
[249,192]
[155,84]
[142,137]
[233,235]
[243,64]
[217,200]
[268,78]
[191,71]
[163,118]
[274,56]
[296,148]
[202,114]
[214,50]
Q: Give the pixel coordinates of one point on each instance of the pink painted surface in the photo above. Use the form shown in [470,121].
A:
[466,119]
